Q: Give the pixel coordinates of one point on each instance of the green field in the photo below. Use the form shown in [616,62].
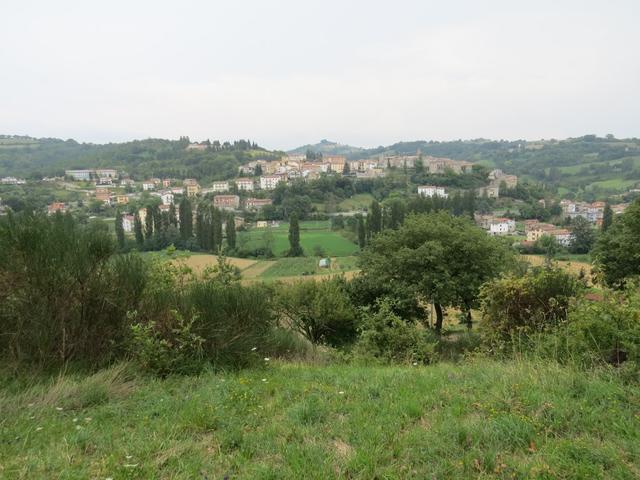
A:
[289,267]
[480,419]
[312,234]
[358,201]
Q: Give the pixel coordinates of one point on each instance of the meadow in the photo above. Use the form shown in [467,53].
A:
[480,419]
[313,234]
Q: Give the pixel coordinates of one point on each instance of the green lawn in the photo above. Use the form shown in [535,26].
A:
[312,234]
[480,419]
[289,267]
[357,202]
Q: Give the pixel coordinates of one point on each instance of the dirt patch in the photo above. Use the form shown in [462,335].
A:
[343,450]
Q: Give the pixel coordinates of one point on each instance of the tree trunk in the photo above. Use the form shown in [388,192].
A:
[439,316]
[469,319]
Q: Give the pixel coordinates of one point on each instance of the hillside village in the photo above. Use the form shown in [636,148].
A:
[251,190]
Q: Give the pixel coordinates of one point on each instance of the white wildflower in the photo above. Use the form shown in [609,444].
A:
[266,359]
[254,349]
[340,392]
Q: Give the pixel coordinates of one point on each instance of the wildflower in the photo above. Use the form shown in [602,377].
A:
[38,429]
[415,364]
[340,392]
[75,419]
[254,349]
[59,409]
[266,359]
[264,379]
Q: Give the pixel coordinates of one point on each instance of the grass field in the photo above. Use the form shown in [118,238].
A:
[252,270]
[573,265]
[357,202]
[480,419]
[312,235]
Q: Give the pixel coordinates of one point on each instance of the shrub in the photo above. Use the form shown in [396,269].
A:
[178,350]
[320,311]
[231,318]
[63,295]
[533,302]
[386,336]
[606,330]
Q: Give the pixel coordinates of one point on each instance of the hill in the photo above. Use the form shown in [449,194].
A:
[29,157]
[478,419]
[327,147]
[589,166]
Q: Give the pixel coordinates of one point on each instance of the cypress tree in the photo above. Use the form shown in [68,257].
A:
[148,223]
[231,231]
[186,219]
[295,250]
[173,219]
[119,230]
[375,218]
[137,228]
[607,217]
[216,229]
[362,234]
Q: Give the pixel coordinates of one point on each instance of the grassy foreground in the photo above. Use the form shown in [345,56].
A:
[483,419]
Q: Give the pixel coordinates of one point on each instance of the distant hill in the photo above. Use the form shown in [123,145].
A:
[30,157]
[327,147]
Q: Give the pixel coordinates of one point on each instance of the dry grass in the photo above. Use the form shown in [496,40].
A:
[571,266]
[199,262]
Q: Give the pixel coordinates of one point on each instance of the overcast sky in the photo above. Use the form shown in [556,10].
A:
[286,73]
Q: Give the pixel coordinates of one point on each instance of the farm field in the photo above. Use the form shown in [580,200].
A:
[313,234]
[282,268]
[358,201]
[573,266]
[478,419]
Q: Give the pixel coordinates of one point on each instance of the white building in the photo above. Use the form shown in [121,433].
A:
[245,184]
[148,186]
[220,186]
[128,222]
[166,197]
[432,191]
[502,226]
[270,182]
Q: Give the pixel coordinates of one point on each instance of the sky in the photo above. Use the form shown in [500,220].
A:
[284,73]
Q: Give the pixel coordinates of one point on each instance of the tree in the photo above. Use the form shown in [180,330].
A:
[617,251]
[148,223]
[320,311]
[347,169]
[396,213]
[295,250]
[216,229]
[231,231]
[258,170]
[607,217]
[119,230]
[362,234]
[438,257]
[186,219]
[583,236]
[137,229]
[375,218]
[173,219]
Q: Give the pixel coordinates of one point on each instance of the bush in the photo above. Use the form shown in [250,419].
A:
[231,318]
[533,302]
[606,330]
[320,311]
[63,295]
[387,337]
[162,352]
